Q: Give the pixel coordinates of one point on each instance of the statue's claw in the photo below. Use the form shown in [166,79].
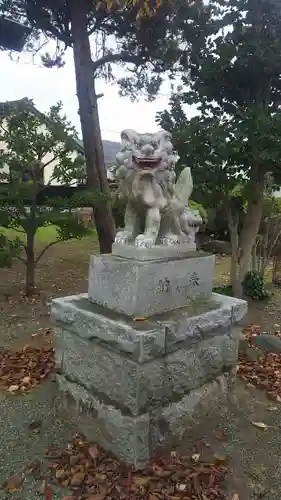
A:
[143,241]
[123,238]
[170,240]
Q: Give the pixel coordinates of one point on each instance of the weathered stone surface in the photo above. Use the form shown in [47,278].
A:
[135,440]
[136,388]
[187,369]
[239,307]
[156,252]
[139,340]
[169,424]
[138,288]
[192,329]
[146,340]
[126,437]
[115,378]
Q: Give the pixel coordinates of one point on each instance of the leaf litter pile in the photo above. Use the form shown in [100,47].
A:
[264,372]
[26,368]
[90,474]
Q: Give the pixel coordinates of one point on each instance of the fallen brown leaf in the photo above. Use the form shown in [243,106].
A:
[97,496]
[272,408]
[26,380]
[94,451]
[13,388]
[141,480]
[77,479]
[175,477]
[219,459]
[61,474]
[14,484]
[35,426]
[23,369]
[260,425]
[33,467]
[42,487]
[48,493]
[221,436]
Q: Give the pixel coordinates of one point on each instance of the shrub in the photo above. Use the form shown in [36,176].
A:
[254,287]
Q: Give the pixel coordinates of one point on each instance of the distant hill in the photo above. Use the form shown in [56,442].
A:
[110,149]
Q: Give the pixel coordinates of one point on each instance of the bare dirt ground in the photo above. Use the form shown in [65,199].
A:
[253,452]
[63,271]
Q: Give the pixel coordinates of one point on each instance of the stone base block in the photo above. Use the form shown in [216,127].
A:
[144,288]
[134,388]
[135,440]
[143,341]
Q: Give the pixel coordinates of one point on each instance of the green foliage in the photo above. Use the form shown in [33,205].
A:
[9,250]
[236,85]
[118,210]
[254,286]
[33,143]
[224,290]
[233,139]
[149,46]
[197,206]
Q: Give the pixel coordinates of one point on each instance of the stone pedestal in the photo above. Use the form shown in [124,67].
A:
[147,352]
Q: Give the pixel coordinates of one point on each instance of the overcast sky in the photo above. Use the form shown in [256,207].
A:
[45,86]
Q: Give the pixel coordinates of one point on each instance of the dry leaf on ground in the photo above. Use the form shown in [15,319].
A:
[48,493]
[100,476]
[260,425]
[23,369]
[35,426]
[14,484]
[221,436]
[264,372]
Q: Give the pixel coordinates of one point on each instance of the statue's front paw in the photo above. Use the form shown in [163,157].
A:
[123,238]
[143,241]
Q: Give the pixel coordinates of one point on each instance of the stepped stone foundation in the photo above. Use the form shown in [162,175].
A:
[149,352]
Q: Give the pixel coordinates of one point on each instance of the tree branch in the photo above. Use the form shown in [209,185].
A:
[44,165]
[121,56]
[22,260]
[47,248]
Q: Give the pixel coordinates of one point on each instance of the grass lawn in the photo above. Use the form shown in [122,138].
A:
[44,235]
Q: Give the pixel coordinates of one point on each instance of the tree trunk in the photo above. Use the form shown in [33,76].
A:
[89,118]
[30,266]
[234,241]
[255,265]
[242,245]
[276,273]
[251,224]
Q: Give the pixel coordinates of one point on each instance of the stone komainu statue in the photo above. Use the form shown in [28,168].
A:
[157,211]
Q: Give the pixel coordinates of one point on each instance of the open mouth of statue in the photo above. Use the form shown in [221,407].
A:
[146,163]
